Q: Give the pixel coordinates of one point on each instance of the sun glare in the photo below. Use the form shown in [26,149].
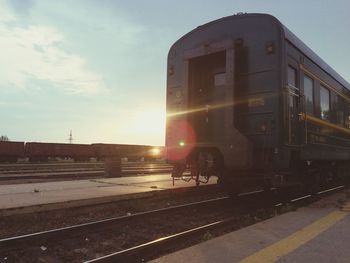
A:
[149,122]
[155,151]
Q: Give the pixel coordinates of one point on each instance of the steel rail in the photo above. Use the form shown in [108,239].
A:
[73,169]
[144,251]
[16,241]
[75,174]
[36,166]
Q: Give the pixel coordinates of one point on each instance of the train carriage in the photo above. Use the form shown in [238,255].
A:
[38,151]
[251,103]
[11,151]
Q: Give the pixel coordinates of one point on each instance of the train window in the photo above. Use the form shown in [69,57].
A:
[324,103]
[339,104]
[292,77]
[309,94]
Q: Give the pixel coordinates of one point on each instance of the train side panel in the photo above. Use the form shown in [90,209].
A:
[103,151]
[11,151]
[317,141]
[42,151]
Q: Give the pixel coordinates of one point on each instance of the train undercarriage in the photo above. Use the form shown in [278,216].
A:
[305,176]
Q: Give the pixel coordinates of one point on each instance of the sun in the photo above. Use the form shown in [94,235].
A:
[155,151]
[148,122]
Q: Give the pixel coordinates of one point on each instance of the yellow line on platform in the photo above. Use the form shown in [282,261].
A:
[285,246]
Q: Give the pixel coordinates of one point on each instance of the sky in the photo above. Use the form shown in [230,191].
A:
[98,67]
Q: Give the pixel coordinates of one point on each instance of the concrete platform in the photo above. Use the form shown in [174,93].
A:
[318,233]
[23,198]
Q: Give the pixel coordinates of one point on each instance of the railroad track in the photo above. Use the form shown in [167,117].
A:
[67,171]
[11,243]
[146,250]
[24,166]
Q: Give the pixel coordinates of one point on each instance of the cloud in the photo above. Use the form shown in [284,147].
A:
[34,52]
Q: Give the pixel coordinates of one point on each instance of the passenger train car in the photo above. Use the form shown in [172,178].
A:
[249,102]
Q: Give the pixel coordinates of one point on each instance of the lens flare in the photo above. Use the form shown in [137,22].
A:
[180,140]
[181,143]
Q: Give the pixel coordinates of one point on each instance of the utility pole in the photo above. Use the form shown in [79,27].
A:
[70,139]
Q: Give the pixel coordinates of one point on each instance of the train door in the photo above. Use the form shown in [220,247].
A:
[293,106]
[207,85]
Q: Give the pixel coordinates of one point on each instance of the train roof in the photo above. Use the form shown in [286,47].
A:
[293,39]
[313,56]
